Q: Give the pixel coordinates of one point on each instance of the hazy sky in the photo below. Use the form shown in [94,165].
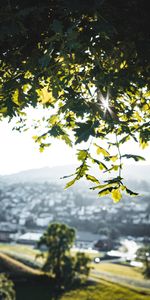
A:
[18,151]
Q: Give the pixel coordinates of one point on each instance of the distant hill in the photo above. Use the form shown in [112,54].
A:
[131,173]
[40,175]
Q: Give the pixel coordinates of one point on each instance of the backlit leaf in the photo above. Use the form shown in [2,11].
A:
[82,154]
[102,166]
[102,151]
[15,97]
[92,178]
[113,158]
[70,183]
[105,192]
[53,119]
[116,195]
[45,96]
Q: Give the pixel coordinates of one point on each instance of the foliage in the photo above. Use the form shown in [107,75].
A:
[58,240]
[143,254]
[87,62]
[6,288]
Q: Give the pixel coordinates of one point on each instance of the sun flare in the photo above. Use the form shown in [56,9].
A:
[104,102]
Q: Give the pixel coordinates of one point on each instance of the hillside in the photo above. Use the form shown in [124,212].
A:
[130,172]
[16,269]
[32,284]
[40,175]
[106,291]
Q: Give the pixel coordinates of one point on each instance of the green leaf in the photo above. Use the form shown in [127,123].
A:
[105,192]
[131,193]
[43,146]
[81,171]
[15,97]
[115,167]
[67,176]
[101,165]
[135,157]
[116,195]
[41,149]
[35,137]
[113,158]
[102,151]
[56,131]
[82,154]
[98,187]
[124,139]
[92,178]
[67,140]
[114,180]
[53,119]
[70,183]
[101,186]
[84,131]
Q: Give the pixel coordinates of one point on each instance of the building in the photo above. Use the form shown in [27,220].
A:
[86,239]
[29,238]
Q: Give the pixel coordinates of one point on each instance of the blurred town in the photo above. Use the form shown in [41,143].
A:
[28,206]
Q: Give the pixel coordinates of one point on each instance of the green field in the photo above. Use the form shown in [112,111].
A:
[13,267]
[22,250]
[120,270]
[30,253]
[96,291]
[105,291]
[33,284]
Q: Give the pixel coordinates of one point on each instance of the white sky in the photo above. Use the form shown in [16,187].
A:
[18,152]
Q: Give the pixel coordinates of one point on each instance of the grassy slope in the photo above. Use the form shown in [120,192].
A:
[106,291]
[119,270]
[11,266]
[20,250]
[37,290]
[30,253]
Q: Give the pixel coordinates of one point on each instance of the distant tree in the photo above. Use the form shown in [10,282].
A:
[143,254]
[82,264]
[6,288]
[59,263]
[114,233]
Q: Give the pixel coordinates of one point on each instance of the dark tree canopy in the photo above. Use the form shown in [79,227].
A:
[90,61]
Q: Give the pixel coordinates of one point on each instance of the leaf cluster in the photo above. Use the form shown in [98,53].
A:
[76,59]
[7,291]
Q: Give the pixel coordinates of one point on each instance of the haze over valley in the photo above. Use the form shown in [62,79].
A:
[30,200]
